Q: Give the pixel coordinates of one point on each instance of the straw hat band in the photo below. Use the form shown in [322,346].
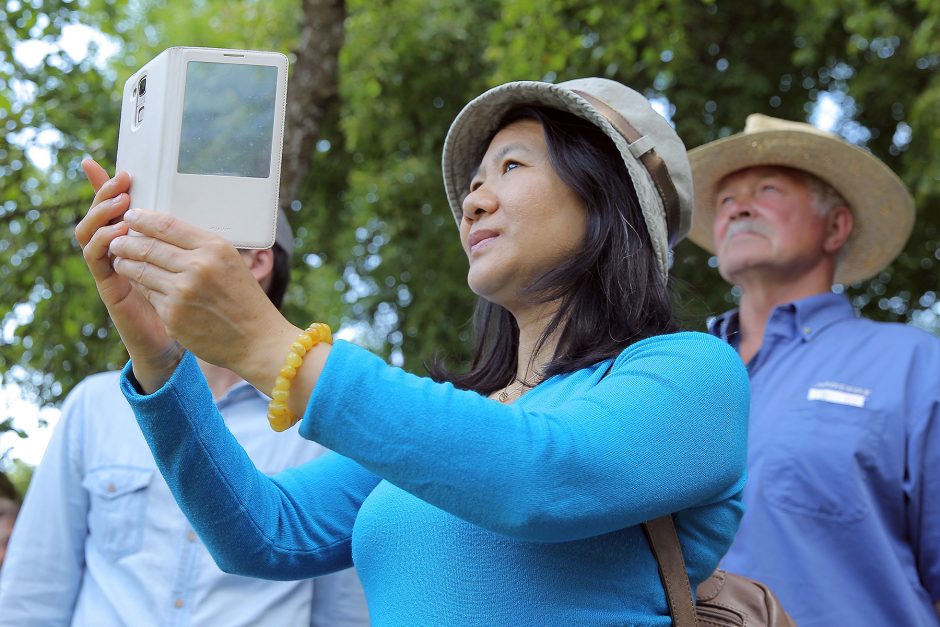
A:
[642,148]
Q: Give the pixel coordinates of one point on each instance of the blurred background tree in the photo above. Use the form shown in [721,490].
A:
[378,251]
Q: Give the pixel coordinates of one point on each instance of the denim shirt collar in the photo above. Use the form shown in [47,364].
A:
[238,392]
[804,318]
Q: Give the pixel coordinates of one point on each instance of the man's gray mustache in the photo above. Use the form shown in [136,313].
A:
[747,226]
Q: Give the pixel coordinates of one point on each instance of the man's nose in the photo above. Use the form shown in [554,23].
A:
[737,208]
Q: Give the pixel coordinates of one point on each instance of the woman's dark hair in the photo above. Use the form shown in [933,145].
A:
[612,292]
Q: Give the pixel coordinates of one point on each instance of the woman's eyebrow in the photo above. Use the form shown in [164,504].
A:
[502,152]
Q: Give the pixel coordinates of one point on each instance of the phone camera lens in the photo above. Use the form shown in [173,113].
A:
[142,86]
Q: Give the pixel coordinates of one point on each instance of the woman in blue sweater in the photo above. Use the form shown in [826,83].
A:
[507,495]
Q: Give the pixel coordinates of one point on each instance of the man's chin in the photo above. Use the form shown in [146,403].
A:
[732,269]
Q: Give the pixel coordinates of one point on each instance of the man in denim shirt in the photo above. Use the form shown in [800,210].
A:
[842,515]
[100,540]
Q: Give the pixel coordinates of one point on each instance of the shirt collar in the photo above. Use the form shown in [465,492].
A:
[805,317]
[726,327]
[815,313]
[237,392]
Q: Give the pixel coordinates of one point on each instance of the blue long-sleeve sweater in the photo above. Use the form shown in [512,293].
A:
[459,510]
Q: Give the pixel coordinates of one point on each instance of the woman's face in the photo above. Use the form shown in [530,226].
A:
[519,219]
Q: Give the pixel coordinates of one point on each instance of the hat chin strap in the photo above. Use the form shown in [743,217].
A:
[642,148]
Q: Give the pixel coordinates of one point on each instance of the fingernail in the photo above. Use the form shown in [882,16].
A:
[130,214]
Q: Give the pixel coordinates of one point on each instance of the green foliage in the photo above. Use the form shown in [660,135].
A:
[884,57]
[20,474]
[62,331]
[405,72]
[380,250]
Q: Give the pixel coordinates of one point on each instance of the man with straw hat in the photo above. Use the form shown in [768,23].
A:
[843,501]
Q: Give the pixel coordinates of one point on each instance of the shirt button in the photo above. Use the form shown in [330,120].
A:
[191,536]
[807,330]
[111,488]
[179,604]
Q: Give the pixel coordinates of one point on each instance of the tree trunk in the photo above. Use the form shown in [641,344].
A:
[314,83]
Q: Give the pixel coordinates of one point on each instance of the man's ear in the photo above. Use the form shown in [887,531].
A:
[260,263]
[839,224]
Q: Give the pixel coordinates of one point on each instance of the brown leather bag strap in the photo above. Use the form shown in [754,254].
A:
[645,153]
[661,533]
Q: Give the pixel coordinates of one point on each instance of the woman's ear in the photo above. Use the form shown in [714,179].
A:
[839,224]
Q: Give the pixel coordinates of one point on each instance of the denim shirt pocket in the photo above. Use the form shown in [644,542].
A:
[118,504]
[817,465]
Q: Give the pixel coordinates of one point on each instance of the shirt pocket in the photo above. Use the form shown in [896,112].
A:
[118,505]
[817,464]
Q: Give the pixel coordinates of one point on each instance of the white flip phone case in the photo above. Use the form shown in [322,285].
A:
[201,136]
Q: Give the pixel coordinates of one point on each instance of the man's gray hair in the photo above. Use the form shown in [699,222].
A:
[824,198]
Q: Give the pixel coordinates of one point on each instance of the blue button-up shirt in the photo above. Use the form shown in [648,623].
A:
[842,515]
[100,540]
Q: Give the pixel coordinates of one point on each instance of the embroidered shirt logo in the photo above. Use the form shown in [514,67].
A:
[838,393]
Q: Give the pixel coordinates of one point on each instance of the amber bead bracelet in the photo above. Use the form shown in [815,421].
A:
[279,415]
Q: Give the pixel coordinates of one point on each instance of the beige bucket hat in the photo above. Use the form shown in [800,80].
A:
[655,157]
[880,203]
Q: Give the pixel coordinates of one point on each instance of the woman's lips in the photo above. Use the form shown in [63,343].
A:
[480,239]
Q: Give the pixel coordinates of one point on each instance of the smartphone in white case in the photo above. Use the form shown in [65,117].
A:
[201,136]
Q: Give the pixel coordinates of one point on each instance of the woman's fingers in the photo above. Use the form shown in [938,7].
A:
[100,215]
[153,278]
[110,202]
[121,182]
[152,251]
[96,175]
[96,249]
[165,227]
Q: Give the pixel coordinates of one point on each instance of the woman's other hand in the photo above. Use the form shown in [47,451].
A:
[154,353]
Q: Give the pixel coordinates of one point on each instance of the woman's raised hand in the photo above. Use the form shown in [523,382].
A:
[155,354]
[204,294]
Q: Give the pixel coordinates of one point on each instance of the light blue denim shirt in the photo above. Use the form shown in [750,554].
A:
[100,540]
[842,504]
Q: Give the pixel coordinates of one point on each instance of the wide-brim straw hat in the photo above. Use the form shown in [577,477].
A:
[654,156]
[881,206]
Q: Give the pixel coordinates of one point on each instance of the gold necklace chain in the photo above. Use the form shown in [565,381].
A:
[503,396]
